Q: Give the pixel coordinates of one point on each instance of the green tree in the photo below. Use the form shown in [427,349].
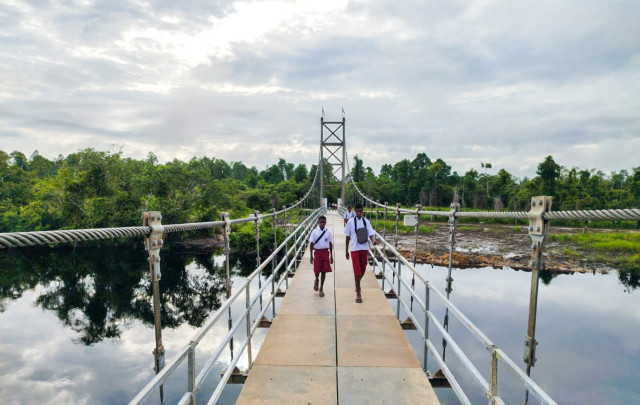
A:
[300,174]
[357,173]
[549,171]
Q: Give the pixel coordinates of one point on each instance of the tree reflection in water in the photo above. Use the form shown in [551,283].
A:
[95,290]
[630,279]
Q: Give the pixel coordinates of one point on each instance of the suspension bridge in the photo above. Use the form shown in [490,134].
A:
[331,349]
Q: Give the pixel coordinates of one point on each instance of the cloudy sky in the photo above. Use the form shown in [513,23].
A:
[506,82]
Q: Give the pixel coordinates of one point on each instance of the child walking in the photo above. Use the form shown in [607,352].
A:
[321,246]
[348,215]
[359,233]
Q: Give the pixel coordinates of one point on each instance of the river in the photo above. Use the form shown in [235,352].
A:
[76,326]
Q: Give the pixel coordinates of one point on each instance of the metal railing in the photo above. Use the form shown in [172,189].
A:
[298,237]
[539,218]
[422,326]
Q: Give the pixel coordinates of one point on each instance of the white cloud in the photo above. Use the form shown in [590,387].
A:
[491,81]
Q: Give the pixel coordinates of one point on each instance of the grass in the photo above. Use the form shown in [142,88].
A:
[603,242]
[567,251]
[619,249]
[390,226]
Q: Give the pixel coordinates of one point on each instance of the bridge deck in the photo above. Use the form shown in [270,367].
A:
[332,349]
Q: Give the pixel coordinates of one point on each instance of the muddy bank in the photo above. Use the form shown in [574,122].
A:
[496,246]
[492,246]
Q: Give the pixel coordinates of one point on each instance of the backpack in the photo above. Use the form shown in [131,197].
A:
[361,234]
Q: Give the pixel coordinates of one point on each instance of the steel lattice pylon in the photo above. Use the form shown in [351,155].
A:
[334,145]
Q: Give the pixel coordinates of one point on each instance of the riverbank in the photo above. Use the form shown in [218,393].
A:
[500,246]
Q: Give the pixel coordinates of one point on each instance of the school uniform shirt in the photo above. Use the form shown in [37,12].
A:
[323,243]
[350,231]
[349,214]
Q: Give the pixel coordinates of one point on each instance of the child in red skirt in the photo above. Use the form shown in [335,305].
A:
[321,249]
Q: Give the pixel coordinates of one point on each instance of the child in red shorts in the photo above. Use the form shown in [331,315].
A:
[321,249]
[359,248]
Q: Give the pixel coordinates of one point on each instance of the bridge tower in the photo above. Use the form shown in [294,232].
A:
[333,144]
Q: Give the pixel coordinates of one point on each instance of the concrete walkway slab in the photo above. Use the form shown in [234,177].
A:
[300,341]
[290,385]
[373,303]
[398,386]
[373,341]
[307,302]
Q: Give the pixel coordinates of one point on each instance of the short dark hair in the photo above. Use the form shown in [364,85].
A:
[322,217]
[358,205]
[348,206]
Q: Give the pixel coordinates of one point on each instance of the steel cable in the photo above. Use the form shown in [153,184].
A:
[604,215]
[20,239]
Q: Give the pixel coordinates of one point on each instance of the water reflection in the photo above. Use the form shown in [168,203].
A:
[630,279]
[95,290]
[585,322]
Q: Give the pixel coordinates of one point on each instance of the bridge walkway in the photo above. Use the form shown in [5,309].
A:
[332,349]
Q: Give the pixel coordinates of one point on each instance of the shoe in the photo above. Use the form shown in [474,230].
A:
[320,294]
[359,300]
[315,285]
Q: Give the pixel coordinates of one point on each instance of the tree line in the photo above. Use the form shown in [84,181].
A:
[90,189]
[93,189]
[431,183]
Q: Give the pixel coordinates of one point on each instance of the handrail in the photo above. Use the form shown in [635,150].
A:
[158,379]
[526,381]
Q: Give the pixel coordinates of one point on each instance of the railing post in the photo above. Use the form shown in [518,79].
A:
[375,228]
[191,370]
[248,307]
[426,324]
[415,254]
[395,265]
[298,246]
[286,249]
[226,232]
[538,231]
[493,375]
[153,243]
[384,236]
[377,213]
[256,213]
[273,265]
[399,284]
[453,221]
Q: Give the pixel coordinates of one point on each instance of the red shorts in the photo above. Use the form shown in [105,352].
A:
[321,263]
[359,261]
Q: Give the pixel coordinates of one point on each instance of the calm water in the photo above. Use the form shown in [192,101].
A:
[77,326]
[587,331]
